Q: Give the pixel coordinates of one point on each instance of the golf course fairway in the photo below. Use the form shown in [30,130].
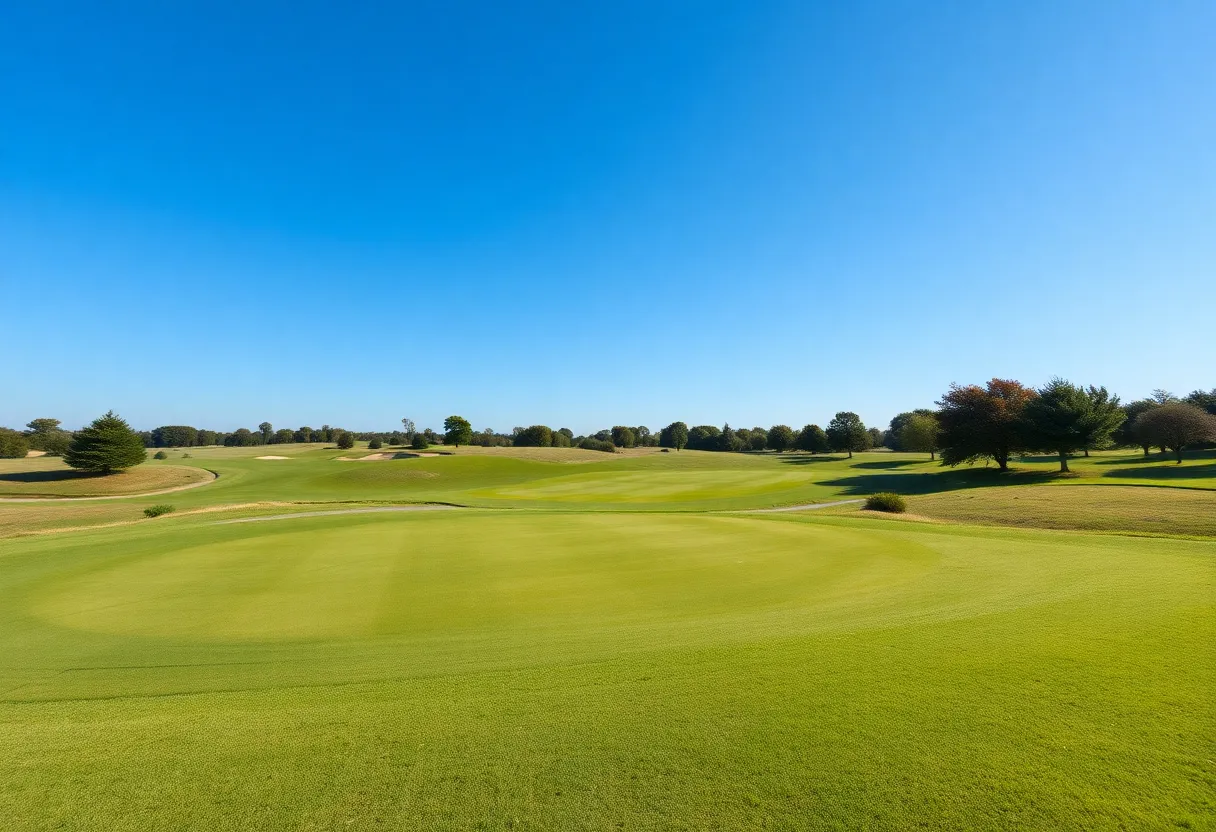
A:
[559,670]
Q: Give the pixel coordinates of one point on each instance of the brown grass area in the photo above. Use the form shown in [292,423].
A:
[50,477]
[1109,508]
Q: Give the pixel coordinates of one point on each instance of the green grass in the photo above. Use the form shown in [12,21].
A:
[603,644]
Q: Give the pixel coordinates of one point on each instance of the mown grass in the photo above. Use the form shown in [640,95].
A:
[561,670]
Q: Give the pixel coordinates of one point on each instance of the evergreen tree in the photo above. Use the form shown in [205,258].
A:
[106,446]
[1065,418]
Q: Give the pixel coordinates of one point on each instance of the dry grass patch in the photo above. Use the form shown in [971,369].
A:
[1132,509]
[50,477]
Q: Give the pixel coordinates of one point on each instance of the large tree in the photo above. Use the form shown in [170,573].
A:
[623,436]
[1127,434]
[536,436]
[1203,399]
[1065,418]
[106,446]
[46,435]
[674,435]
[780,438]
[407,427]
[846,432]
[920,432]
[267,431]
[704,438]
[983,422]
[812,439]
[1176,425]
[894,435]
[174,436]
[457,431]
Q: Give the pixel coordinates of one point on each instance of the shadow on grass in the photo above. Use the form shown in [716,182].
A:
[933,483]
[49,476]
[1164,471]
[896,463]
[807,459]
[1158,458]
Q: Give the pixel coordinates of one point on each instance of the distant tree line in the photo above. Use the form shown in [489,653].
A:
[996,422]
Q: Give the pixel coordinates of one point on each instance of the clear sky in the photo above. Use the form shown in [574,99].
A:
[594,214]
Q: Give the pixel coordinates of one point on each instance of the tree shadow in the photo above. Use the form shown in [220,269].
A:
[932,483]
[807,459]
[896,463]
[49,476]
[1157,458]
[1164,471]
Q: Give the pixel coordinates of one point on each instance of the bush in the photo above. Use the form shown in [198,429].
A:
[160,455]
[157,511]
[185,456]
[593,444]
[886,501]
[419,442]
[13,445]
[346,441]
[375,445]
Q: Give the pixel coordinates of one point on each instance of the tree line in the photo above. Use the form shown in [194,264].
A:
[995,421]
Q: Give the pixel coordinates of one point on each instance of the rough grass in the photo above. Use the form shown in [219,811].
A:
[532,670]
[51,477]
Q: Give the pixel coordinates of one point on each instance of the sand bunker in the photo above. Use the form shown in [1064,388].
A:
[273,457]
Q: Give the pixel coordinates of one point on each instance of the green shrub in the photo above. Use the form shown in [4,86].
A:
[346,441]
[160,455]
[185,456]
[375,445]
[157,511]
[13,445]
[593,444]
[419,442]
[886,501]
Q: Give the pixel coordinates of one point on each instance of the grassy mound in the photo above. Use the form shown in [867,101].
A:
[50,477]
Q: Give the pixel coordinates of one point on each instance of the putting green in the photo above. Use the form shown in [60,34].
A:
[376,577]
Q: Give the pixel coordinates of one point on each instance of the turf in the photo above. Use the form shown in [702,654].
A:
[606,670]
[50,477]
[604,642]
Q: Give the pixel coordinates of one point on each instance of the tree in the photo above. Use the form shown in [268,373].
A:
[535,436]
[623,437]
[14,444]
[208,437]
[41,427]
[174,436]
[1176,425]
[46,435]
[106,446]
[267,431]
[674,435]
[920,433]
[780,438]
[703,438]
[419,442]
[240,438]
[895,430]
[562,440]
[407,427]
[283,436]
[1065,418]
[846,432]
[812,439]
[457,431]
[566,432]
[878,437]
[346,440]
[1127,433]
[983,422]
[1203,399]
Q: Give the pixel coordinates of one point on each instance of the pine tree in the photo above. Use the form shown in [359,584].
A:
[106,446]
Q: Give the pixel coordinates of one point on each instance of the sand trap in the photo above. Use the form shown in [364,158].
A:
[29,454]
[273,457]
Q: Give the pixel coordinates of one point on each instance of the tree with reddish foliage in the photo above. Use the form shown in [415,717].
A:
[983,422]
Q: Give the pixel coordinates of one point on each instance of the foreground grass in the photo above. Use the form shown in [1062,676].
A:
[531,670]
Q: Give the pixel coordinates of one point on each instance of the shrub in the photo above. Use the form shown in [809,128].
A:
[346,441]
[158,510]
[375,445]
[185,456]
[593,444]
[13,445]
[160,455]
[886,501]
[419,442]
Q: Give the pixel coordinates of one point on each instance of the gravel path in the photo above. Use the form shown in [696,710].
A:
[336,511]
[805,507]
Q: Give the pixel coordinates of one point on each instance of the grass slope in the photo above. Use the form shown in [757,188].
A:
[50,477]
[562,670]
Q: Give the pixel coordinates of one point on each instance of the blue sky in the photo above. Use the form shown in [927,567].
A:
[597,214]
